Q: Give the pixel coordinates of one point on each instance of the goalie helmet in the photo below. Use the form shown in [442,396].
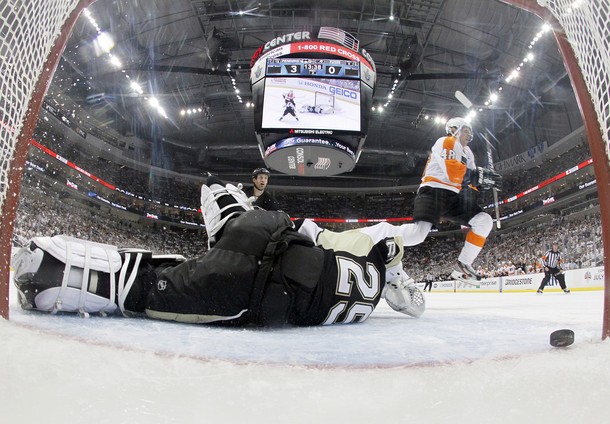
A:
[455,125]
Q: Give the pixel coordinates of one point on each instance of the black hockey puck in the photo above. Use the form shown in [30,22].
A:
[562,338]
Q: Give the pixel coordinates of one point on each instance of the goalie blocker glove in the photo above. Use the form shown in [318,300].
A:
[487,178]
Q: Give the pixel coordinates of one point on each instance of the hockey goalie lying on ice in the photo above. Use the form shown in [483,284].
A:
[261,269]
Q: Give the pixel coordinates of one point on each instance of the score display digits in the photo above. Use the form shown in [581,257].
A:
[315,67]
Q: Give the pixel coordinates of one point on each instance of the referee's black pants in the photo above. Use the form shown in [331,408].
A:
[553,272]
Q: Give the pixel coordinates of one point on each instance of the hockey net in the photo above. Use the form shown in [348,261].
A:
[33,34]
[582,31]
[587,28]
[324,100]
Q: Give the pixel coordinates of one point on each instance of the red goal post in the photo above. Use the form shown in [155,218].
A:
[34,33]
[582,30]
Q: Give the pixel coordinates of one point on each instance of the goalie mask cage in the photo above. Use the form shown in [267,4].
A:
[33,34]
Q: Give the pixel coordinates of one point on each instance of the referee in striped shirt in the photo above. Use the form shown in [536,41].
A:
[551,261]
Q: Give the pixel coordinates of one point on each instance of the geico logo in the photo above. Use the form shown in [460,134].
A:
[343,92]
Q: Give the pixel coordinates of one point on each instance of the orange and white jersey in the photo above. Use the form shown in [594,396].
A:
[447,164]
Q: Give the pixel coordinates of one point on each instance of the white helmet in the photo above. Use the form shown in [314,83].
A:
[454,125]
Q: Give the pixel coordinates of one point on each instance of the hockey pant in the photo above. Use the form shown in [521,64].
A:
[553,272]
[480,227]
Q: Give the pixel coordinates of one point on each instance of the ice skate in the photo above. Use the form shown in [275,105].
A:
[465,274]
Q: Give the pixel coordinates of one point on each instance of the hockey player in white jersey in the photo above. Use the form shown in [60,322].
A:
[449,189]
[289,105]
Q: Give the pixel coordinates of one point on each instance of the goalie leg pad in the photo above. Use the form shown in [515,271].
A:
[66,274]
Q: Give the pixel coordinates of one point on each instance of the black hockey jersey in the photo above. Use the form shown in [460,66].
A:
[263,272]
[265,201]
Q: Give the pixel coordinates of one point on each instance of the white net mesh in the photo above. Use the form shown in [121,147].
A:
[587,28]
[324,99]
[28,30]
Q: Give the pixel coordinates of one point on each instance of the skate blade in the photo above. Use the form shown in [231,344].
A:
[458,276]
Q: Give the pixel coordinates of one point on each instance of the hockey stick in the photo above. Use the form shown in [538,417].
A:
[461,97]
[461,283]
[490,166]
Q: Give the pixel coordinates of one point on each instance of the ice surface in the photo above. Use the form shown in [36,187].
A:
[470,358]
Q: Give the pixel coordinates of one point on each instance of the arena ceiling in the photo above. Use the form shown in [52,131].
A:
[179,51]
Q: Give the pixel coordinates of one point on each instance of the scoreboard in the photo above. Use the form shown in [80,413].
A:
[312,101]
[327,68]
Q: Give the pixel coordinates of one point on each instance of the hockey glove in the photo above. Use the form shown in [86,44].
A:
[486,179]
[404,296]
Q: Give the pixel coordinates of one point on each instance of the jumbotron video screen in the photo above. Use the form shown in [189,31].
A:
[317,103]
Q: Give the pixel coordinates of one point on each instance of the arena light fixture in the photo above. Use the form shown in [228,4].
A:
[136,87]
[105,41]
[116,61]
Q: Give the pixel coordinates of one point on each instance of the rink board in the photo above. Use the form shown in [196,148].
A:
[576,280]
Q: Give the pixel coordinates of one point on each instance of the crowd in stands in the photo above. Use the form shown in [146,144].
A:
[166,189]
[142,183]
[523,179]
[347,205]
[515,251]
[41,168]
[42,212]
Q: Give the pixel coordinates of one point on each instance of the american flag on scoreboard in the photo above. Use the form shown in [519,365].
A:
[340,37]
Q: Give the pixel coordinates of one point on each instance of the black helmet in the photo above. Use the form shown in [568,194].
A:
[259,171]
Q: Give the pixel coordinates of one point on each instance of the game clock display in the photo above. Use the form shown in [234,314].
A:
[328,68]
